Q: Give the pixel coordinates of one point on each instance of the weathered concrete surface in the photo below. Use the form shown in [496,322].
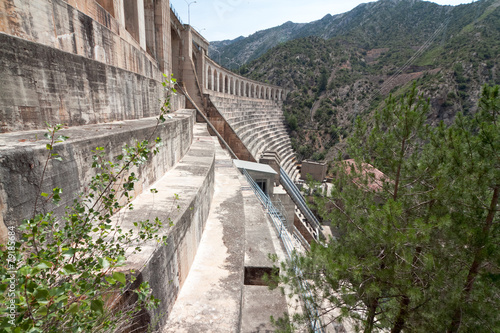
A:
[251,127]
[84,28]
[287,205]
[210,300]
[23,156]
[43,84]
[74,62]
[213,298]
[259,302]
[165,267]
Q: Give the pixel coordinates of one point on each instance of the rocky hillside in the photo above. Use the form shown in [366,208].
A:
[344,66]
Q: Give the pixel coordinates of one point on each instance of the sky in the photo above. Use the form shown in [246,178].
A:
[228,19]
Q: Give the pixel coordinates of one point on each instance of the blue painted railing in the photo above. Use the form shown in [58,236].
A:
[285,237]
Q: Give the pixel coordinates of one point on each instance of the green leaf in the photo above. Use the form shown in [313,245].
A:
[44,264]
[73,308]
[57,291]
[43,194]
[69,269]
[103,262]
[97,305]
[42,311]
[120,277]
[41,295]
[120,260]
[62,138]
[56,194]
[110,280]
[69,252]
[62,298]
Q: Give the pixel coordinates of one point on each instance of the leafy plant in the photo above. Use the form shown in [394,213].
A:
[66,273]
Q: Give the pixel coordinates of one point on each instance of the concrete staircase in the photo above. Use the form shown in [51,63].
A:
[260,126]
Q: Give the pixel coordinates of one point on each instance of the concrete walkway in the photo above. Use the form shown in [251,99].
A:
[237,234]
[210,299]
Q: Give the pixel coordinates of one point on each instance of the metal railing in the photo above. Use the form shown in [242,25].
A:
[297,197]
[176,14]
[286,239]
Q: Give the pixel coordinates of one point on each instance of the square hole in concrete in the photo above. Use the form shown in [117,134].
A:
[254,276]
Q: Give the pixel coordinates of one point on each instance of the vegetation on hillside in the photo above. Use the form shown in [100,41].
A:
[418,248]
[377,49]
[421,253]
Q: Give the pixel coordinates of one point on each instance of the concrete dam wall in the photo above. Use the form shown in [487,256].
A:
[96,67]
[62,65]
[258,124]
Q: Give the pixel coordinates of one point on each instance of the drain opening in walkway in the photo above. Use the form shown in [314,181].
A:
[254,276]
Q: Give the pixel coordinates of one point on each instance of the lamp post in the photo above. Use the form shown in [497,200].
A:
[189,11]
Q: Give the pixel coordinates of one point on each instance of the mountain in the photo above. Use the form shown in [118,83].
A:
[344,66]
[363,22]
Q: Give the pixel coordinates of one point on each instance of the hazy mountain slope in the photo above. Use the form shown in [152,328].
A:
[336,79]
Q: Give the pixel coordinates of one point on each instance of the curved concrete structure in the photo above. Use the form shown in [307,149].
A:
[96,67]
[221,80]
[258,124]
[77,63]
[166,267]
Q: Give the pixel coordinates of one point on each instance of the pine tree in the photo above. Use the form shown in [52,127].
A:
[472,190]
[417,246]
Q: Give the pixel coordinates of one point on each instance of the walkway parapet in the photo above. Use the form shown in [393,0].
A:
[221,80]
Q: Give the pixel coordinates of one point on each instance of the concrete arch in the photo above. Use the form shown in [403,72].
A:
[216,80]
[226,84]
[221,80]
[210,79]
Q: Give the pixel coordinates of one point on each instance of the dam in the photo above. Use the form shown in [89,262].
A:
[97,67]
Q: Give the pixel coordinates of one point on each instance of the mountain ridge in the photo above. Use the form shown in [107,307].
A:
[376,49]
[242,50]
